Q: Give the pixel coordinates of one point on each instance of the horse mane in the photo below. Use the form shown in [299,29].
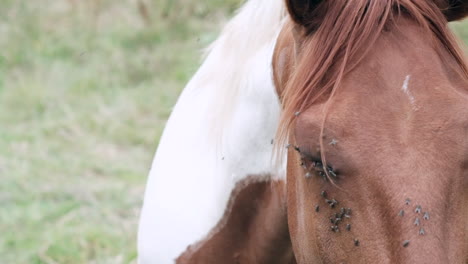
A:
[230,68]
[339,34]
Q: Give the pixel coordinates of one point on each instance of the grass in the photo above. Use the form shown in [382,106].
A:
[85,89]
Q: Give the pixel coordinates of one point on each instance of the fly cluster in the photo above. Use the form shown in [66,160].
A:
[315,166]
[338,217]
[417,222]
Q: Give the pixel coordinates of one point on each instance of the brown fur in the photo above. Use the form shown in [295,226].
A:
[454,9]
[345,31]
[347,65]
[253,230]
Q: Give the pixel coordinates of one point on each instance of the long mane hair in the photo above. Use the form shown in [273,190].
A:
[339,34]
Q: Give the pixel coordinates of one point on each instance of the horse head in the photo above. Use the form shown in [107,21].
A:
[374,96]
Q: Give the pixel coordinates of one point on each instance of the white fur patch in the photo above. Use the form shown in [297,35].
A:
[405,89]
[195,170]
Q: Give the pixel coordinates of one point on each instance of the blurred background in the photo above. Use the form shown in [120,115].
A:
[85,89]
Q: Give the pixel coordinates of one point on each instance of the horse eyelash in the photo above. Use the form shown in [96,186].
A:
[317,165]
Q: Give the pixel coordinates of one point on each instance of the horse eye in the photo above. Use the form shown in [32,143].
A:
[309,156]
[313,164]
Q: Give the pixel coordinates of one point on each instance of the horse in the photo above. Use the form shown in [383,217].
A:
[375,104]
[364,105]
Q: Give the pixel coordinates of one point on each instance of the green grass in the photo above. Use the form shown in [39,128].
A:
[85,89]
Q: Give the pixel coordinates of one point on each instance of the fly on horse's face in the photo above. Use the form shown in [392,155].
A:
[375,99]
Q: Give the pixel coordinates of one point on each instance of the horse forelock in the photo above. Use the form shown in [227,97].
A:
[334,44]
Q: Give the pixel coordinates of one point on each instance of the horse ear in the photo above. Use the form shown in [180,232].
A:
[455,9]
[301,10]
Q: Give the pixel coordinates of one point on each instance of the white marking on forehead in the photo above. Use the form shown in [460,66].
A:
[405,89]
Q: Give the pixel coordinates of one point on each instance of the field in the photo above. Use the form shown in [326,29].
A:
[85,89]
